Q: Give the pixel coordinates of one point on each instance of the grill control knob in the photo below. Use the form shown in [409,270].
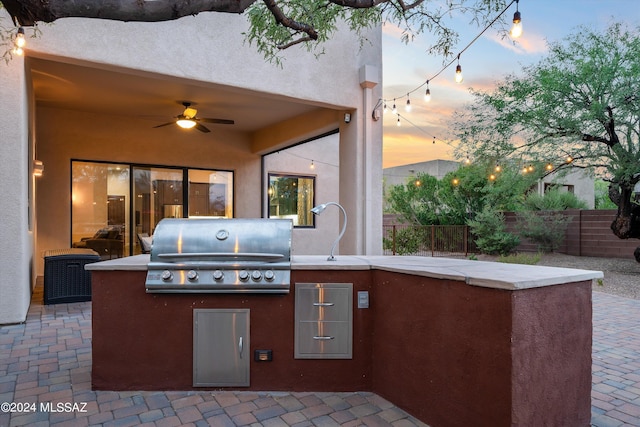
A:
[243,275]
[192,275]
[256,275]
[218,275]
[269,275]
[166,276]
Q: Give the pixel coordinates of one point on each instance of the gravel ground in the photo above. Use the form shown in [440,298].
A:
[621,275]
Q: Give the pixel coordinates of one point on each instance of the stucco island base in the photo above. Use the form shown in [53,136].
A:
[453,342]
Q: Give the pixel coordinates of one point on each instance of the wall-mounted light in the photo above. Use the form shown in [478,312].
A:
[318,210]
[38,168]
[347,118]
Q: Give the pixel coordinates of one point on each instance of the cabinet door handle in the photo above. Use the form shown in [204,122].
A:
[323,338]
[240,346]
[323,304]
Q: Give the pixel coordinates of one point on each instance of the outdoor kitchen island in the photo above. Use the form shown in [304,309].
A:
[453,342]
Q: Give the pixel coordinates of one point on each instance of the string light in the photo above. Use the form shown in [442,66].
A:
[398,122]
[407,107]
[19,42]
[549,167]
[426,83]
[459,77]
[455,181]
[312,165]
[498,168]
[516,30]
[394,110]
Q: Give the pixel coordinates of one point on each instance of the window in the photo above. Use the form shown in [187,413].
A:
[116,206]
[291,197]
[563,188]
[210,193]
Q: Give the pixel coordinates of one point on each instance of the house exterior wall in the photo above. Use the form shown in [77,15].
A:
[326,166]
[208,48]
[16,231]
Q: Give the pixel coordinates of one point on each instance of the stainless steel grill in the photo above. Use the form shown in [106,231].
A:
[220,255]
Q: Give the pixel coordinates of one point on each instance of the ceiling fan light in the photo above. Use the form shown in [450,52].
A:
[186,123]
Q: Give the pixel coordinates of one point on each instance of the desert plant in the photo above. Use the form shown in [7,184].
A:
[409,240]
[553,200]
[491,236]
[546,228]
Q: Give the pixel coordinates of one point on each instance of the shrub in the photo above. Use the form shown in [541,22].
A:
[409,240]
[547,229]
[491,236]
[553,200]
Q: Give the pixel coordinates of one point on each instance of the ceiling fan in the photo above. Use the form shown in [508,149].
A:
[188,120]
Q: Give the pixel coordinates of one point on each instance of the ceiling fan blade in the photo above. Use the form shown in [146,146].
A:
[217,121]
[165,124]
[202,128]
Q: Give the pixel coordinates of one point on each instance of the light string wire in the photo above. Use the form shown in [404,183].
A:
[455,58]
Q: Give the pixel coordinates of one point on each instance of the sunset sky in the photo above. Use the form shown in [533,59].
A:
[487,60]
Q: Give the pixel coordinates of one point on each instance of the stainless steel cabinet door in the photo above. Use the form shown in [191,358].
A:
[221,347]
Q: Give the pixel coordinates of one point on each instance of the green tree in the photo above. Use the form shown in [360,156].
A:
[577,108]
[279,24]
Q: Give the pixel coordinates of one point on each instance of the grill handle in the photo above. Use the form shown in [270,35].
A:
[221,256]
[240,347]
[323,304]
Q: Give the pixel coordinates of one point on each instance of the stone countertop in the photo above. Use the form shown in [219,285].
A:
[476,273]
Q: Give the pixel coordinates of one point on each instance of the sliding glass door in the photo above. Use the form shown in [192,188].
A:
[116,207]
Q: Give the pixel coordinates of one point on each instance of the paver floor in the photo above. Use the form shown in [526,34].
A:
[45,373]
[45,368]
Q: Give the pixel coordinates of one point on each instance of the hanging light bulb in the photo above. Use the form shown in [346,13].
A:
[458,77]
[569,159]
[516,30]
[384,108]
[427,95]
[398,122]
[549,167]
[455,181]
[525,170]
[312,166]
[467,161]
[498,168]
[20,40]
[434,140]
[394,110]
[407,107]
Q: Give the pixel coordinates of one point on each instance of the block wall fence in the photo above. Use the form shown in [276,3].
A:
[588,234]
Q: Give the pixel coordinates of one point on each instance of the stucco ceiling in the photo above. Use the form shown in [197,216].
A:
[154,98]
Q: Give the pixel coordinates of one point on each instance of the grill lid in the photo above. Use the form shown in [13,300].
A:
[220,255]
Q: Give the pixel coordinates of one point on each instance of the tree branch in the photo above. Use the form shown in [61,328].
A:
[287,22]
[29,12]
